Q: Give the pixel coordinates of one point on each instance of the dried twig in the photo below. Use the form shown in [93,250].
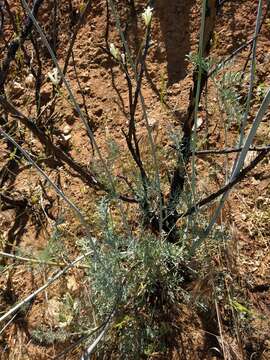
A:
[199,82]
[228,186]
[37,261]
[30,297]
[74,35]
[226,151]
[59,154]
[230,150]
[17,42]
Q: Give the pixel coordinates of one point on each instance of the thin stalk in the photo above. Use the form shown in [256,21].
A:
[258,119]
[76,106]
[252,73]
[197,100]
[7,324]
[72,206]
[122,36]
[148,128]
[229,150]
[91,348]
[60,273]
[37,261]
[222,64]
[75,33]
[240,161]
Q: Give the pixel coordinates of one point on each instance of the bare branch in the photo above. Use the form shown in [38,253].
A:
[37,261]
[226,151]
[229,186]
[59,274]
[17,42]
[87,176]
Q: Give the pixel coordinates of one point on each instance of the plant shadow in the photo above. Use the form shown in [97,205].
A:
[174,17]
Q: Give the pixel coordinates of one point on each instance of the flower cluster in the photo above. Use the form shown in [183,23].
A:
[147,15]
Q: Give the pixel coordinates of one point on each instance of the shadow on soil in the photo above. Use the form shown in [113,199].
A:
[174,17]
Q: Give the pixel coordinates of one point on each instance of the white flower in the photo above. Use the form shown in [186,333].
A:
[123,58]
[30,81]
[147,15]
[54,76]
[114,51]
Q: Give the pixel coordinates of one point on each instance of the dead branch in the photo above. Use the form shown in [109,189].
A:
[84,174]
[245,172]
[16,43]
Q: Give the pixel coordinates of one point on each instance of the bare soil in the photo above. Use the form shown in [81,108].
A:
[166,88]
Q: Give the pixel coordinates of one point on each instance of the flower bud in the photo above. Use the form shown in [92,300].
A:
[123,58]
[114,52]
[147,15]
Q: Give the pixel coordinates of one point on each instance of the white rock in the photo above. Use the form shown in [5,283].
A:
[67,130]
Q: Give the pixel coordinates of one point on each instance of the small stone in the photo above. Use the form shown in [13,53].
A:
[67,130]
[30,81]
[66,137]
[72,284]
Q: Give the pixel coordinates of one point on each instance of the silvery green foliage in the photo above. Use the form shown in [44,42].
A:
[230,96]
[137,267]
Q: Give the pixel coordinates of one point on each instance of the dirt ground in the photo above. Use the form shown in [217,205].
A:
[27,230]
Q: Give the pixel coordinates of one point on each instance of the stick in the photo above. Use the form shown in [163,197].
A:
[37,261]
[42,288]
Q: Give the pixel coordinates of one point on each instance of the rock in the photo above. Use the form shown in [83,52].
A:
[67,130]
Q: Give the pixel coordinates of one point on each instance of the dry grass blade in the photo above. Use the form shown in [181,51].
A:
[72,206]
[52,280]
